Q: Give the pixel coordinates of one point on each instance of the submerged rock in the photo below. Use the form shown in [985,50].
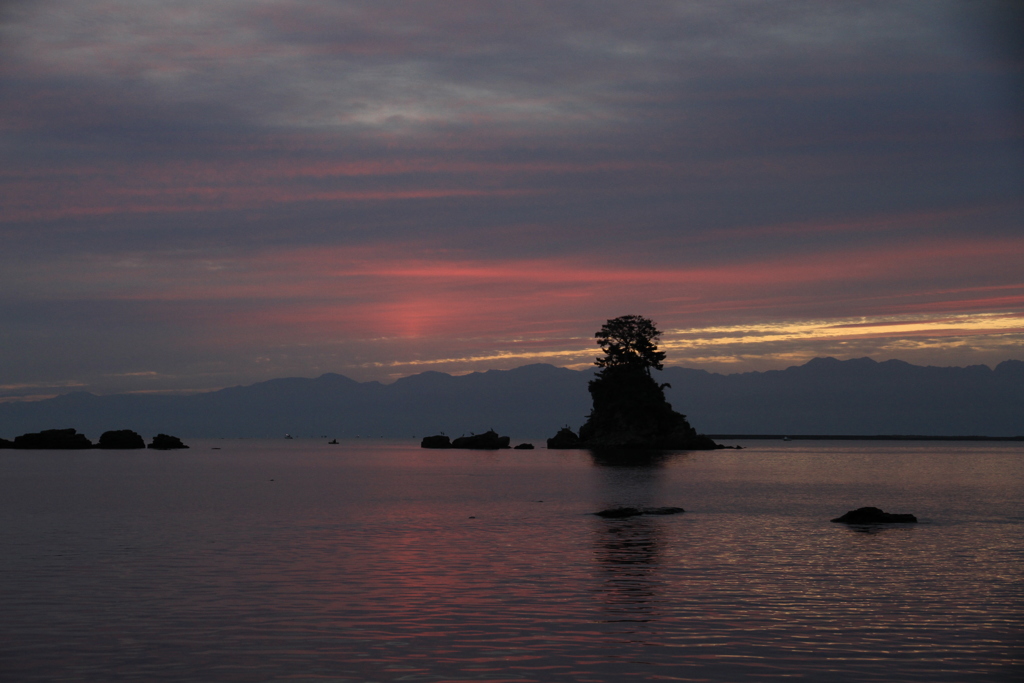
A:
[62,439]
[436,441]
[165,442]
[565,438]
[622,513]
[121,439]
[870,515]
[488,441]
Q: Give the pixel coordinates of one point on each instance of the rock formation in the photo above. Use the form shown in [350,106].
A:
[630,412]
[488,441]
[62,439]
[870,515]
[629,408]
[164,442]
[436,441]
[121,439]
[565,438]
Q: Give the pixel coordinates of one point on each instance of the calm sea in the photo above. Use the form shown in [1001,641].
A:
[250,560]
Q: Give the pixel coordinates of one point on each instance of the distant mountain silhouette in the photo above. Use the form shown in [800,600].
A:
[530,401]
[824,396]
[859,396]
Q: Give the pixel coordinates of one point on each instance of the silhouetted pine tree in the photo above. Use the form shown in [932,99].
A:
[629,406]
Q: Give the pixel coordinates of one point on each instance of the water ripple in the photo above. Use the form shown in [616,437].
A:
[368,567]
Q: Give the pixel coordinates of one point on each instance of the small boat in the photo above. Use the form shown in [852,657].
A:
[288,436]
[333,441]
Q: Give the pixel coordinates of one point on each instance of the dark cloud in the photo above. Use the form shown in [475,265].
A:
[710,138]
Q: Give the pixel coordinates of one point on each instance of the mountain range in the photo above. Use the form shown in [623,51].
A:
[823,396]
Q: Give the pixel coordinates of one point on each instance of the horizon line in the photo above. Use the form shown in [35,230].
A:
[37,398]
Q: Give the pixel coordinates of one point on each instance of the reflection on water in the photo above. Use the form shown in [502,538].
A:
[627,550]
[267,562]
[627,553]
[874,528]
[634,459]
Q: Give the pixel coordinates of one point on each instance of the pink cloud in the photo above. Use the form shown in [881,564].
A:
[391,291]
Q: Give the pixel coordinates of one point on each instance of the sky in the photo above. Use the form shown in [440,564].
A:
[204,193]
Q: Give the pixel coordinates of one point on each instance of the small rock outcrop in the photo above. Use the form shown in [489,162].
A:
[870,515]
[165,442]
[524,447]
[623,512]
[436,441]
[121,439]
[4,443]
[488,441]
[565,438]
[53,439]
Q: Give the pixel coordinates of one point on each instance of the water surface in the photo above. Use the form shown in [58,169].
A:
[249,560]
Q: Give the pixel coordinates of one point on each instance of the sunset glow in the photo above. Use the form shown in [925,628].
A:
[197,195]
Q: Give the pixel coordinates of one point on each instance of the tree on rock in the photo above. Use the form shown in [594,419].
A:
[629,341]
[629,406]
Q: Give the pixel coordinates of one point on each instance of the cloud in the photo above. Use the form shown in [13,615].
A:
[224,190]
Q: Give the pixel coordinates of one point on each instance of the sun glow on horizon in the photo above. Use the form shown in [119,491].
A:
[773,341]
[855,328]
